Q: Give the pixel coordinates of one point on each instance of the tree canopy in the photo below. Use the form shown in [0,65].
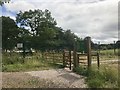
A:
[43,33]
[9,33]
[38,21]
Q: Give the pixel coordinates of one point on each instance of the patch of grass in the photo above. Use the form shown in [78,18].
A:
[11,58]
[33,82]
[29,67]
[105,77]
[109,54]
[30,63]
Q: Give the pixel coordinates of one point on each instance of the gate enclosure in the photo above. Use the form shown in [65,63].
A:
[72,58]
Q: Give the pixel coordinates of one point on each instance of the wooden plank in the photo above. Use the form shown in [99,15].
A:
[82,54]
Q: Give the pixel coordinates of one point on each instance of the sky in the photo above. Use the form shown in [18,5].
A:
[95,18]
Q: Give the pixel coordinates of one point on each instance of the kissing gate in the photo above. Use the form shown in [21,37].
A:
[74,58]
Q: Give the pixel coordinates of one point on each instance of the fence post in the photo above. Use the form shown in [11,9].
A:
[43,55]
[70,58]
[99,47]
[74,58]
[114,48]
[88,43]
[64,58]
[78,58]
[75,55]
[53,57]
[98,60]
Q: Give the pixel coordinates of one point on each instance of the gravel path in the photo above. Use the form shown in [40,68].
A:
[55,78]
[62,77]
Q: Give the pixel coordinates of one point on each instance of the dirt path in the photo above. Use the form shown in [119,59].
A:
[55,78]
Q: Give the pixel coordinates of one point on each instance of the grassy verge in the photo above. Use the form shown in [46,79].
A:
[15,63]
[105,77]
[36,65]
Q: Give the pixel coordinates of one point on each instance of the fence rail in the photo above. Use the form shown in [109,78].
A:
[53,56]
[73,57]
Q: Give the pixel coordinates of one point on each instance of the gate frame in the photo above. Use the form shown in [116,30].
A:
[76,56]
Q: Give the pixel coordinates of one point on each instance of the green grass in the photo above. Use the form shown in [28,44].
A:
[105,77]
[108,54]
[15,63]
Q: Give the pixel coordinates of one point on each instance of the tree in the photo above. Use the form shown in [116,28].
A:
[42,26]
[44,32]
[36,20]
[69,39]
[117,44]
[9,33]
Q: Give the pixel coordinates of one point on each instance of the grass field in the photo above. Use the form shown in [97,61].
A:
[108,54]
[15,63]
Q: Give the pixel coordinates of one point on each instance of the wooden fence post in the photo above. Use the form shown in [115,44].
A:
[114,48]
[70,58]
[75,59]
[53,57]
[98,61]
[74,55]
[99,47]
[42,55]
[78,59]
[88,43]
[64,58]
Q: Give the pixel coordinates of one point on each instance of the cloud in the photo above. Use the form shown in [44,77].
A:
[18,5]
[95,18]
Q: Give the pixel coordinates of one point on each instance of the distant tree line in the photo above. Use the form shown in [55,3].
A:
[37,29]
[113,45]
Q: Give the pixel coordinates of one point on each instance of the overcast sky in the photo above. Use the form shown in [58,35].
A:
[95,18]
